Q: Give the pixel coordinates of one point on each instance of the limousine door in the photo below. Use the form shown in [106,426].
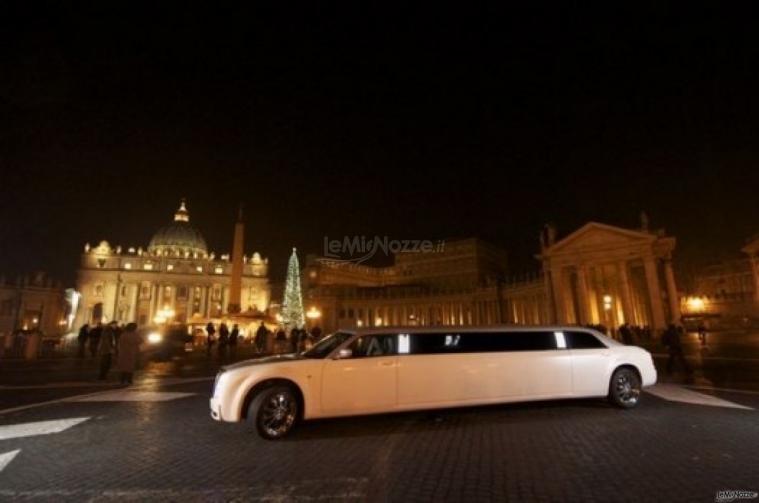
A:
[364,382]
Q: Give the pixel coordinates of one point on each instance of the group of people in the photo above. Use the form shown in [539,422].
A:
[108,342]
[299,339]
[629,333]
[226,339]
[264,340]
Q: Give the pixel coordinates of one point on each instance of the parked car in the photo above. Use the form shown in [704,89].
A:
[166,342]
[380,370]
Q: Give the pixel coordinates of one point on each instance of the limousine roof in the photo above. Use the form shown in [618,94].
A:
[469,328]
[480,329]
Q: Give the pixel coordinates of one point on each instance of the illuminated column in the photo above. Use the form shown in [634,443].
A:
[155,299]
[557,284]
[624,286]
[235,305]
[674,301]
[654,293]
[551,313]
[133,302]
[583,298]
[755,270]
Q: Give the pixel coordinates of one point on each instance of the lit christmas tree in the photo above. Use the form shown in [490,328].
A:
[292,304]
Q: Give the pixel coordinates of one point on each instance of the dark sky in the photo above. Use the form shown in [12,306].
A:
[409,123]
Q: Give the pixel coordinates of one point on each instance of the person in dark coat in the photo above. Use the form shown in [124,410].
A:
[106,349]
[260,340]
[84,334]
[94,338]
[210,331]
[671,340]
[128,353]
[223,338]
[233,335]
[316,333]
[295,339]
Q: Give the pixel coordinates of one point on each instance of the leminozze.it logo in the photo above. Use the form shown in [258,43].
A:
[359,249]
[733,495]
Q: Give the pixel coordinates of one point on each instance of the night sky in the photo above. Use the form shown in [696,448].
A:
[408,123]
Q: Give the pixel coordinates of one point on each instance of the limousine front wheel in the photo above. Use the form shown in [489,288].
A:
[274,411]
[624,389]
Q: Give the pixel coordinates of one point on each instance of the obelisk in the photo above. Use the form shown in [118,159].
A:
[235,283]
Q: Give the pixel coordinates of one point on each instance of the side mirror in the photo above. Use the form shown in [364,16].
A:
[344,353]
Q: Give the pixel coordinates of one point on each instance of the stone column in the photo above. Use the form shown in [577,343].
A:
[674,301]
[654,293]
[557,283]
[551,312]
[133,302]
[755,270]
[624,286]
[583,298]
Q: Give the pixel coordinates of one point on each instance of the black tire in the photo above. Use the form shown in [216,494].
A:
[624,388]
[274,411]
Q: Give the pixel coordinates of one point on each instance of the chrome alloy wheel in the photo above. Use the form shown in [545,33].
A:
[278,413]
[627,388]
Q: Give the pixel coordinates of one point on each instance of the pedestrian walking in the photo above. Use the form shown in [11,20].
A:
[260,339]
[94,338]
[106,349]
[84,333]
[671,340]
[210,341]
[233,335]
[223,339]
[128,353]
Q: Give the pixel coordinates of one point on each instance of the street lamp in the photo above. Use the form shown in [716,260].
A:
[313,313]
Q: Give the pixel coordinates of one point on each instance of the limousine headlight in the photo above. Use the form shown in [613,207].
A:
[154,337]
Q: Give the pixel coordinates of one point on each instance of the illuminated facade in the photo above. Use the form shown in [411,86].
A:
[727,293]
[462,283]
[599,274]
[175,278]
[33,302]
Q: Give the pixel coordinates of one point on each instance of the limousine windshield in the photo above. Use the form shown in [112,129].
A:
[325,346]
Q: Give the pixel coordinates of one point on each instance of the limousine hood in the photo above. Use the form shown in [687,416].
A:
[265,359]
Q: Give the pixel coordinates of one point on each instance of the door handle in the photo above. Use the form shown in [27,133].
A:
[387,364]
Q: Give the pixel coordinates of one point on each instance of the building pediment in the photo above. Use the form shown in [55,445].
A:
[597,236]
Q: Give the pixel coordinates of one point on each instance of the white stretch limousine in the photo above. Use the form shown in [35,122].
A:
[384,370]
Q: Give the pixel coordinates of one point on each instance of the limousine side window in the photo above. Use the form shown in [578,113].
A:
[485,342]
[374,345]
[582,340]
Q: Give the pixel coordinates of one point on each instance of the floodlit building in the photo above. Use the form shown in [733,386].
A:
[727,293]
[461,282]
[32,303]
[174,278]
[599,275]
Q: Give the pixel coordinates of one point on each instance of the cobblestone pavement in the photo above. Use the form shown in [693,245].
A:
[579,450]
[156,446]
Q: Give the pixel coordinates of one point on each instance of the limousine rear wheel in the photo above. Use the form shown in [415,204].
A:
[624,389]
[274,411]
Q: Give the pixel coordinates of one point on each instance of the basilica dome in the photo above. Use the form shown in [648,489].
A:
[179,238]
